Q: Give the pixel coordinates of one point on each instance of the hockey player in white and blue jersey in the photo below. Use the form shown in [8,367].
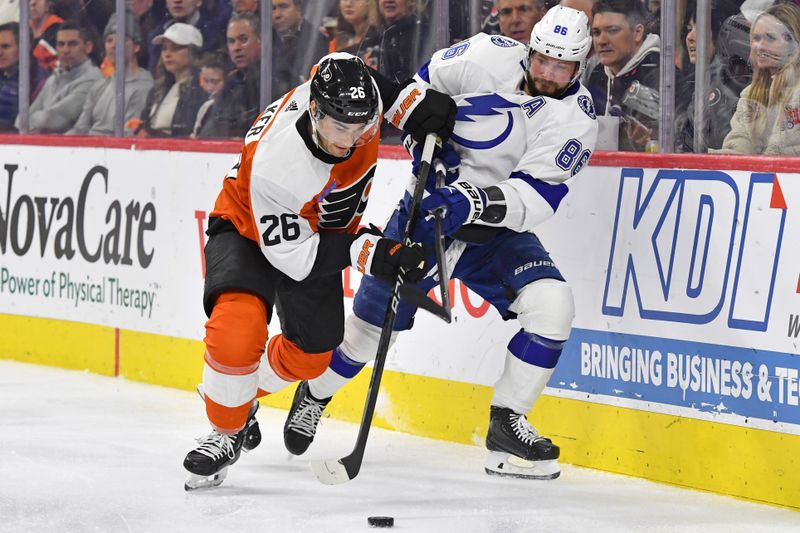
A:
[520,146]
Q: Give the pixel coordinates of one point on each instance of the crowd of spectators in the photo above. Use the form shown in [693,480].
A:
[193,67]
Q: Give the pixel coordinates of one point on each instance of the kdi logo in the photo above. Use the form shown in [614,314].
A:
[674,247]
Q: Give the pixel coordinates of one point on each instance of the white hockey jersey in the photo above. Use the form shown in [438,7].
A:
[531,147]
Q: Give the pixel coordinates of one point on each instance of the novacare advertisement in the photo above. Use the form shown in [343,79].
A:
[104,236]
[685,281]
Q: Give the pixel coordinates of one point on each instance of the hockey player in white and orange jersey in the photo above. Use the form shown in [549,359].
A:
[283,228]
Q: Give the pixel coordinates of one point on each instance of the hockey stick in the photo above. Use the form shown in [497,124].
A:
[413,294]
[333,472]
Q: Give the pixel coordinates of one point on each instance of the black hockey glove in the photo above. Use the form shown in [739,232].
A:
[372,253]
[436,113]
[419,111]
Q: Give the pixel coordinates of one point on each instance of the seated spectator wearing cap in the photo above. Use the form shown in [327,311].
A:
[188,12]
[238,104]
[44,25]
[172,104]
[60,102]
[296,45]
[99,110]
[767,118]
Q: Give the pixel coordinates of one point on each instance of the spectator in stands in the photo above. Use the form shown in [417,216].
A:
[357,30]
[721,97]
[99,111]
[60,102]
[187,12]
[767,118]
[517,17]
[212,73]
[172,104]
[406,42]
[9,75]
[44,25]
[296,45]
[212,80]
[626,81]
[238,104]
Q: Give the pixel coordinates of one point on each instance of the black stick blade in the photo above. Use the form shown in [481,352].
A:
[414,295]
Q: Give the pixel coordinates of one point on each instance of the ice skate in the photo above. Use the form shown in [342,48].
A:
[253,432]
[517,450]
[302,420]
[208,463]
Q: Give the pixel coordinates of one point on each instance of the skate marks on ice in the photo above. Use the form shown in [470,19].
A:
[82,452]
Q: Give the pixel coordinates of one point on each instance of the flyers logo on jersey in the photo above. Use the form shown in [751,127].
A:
[405,106]
[340,206]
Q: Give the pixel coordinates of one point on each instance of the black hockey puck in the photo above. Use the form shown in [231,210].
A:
[381,521]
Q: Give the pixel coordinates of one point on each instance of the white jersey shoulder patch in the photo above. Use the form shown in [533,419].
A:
[482,63]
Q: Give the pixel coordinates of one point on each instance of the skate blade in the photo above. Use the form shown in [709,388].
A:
[507,465]
[195,482]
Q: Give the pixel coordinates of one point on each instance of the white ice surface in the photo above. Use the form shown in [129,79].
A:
[81,452]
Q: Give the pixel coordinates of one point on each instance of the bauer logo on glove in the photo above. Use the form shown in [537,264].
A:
[462,203]
[371,253]
[364,255]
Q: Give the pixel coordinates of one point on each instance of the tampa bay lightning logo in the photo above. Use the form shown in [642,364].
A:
[502,42]
[585,103]
[484,105]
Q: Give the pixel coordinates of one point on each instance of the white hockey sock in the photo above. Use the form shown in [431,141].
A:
[520,385]
[358,348]
[327,384]
[268,380]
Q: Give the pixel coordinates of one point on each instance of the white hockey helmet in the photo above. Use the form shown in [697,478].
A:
[563,33]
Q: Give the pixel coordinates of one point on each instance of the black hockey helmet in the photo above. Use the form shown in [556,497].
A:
[343,90]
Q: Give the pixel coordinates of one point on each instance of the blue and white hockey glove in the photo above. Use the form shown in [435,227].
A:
[462,202]
[446,154]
